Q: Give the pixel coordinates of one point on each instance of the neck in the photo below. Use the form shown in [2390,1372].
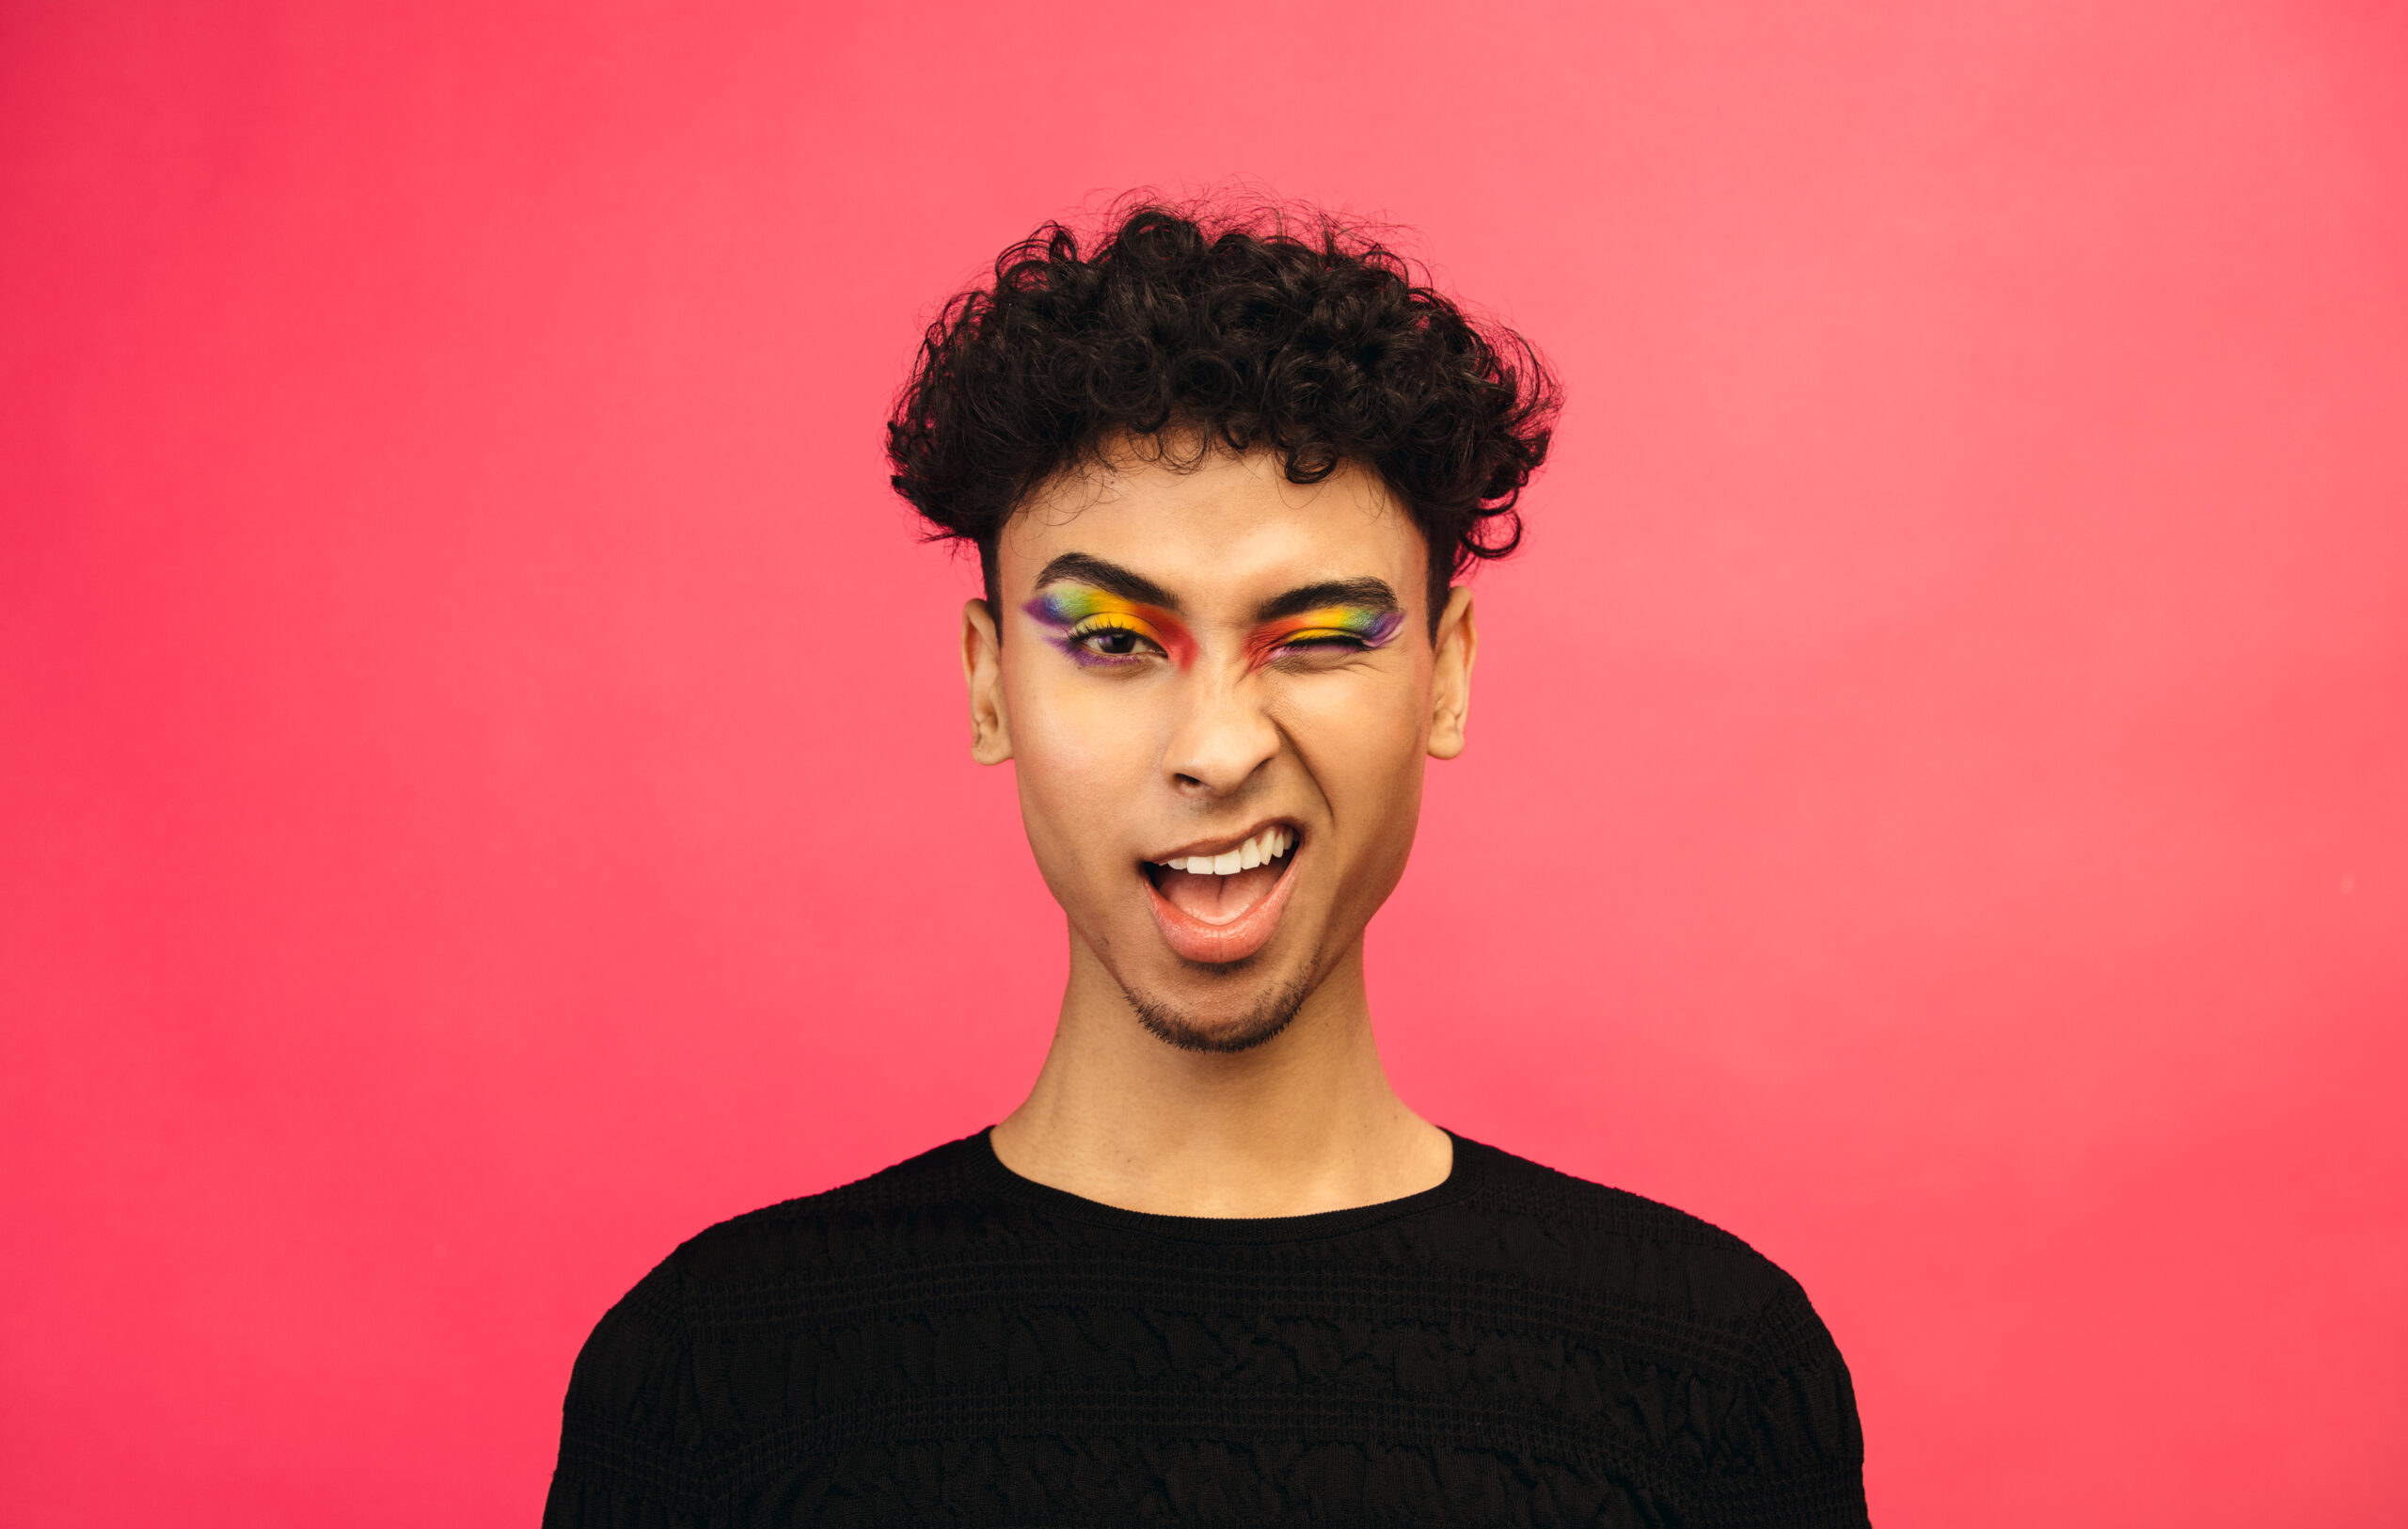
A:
[1304,1123]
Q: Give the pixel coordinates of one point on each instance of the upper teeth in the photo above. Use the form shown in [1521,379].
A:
[1262,850]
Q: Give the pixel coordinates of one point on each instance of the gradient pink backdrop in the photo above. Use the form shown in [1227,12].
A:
[482,787]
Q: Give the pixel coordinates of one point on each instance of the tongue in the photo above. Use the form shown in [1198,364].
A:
[1219,900]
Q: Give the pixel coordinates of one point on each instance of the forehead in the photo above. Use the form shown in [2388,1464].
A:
[1229,526]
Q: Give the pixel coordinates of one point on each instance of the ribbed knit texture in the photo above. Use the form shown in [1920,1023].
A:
[947,1342]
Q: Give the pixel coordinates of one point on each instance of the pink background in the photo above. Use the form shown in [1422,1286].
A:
[482,787]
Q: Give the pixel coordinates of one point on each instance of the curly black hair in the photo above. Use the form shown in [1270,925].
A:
[1236,326]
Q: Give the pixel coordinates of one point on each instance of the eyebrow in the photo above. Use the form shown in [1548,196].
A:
[1368,594]
[1080,568]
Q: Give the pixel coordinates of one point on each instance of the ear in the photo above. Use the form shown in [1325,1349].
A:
[1458,645]
[982,669]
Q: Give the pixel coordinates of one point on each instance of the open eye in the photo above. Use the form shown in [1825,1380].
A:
[1111,639]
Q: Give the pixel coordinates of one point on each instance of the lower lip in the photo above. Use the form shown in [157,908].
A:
[1217,945]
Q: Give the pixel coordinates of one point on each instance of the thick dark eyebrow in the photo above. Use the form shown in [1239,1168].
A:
[1079,568]
[1373,594]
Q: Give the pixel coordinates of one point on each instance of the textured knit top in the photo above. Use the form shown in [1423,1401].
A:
[947,1343]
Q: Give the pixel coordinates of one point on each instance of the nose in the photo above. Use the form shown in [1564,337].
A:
[1222,737]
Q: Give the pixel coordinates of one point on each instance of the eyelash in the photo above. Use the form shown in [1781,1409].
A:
[1074,643]
[1324,637]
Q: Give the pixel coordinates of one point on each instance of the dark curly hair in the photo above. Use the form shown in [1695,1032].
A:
[1266,326]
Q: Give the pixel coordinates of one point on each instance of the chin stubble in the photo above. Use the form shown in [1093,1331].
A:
[1266,1019]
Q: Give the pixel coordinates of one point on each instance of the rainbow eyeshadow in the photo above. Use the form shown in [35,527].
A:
[1073,612]
[1362,626]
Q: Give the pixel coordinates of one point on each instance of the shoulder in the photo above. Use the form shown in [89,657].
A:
[1684,1296]
[638,1412]
[928,1199]
[1641,1253]
[1577,1213]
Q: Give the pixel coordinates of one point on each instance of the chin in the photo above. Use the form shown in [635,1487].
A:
[1237,1010]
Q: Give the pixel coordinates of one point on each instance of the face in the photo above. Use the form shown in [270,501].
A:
[1219,688]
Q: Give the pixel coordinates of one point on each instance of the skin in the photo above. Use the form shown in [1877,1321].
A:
[1171,1086]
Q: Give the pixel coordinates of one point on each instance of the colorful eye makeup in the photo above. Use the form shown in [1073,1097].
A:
[1328,628]
[1103,631]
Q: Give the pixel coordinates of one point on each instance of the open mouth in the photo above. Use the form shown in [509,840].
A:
[1218,904]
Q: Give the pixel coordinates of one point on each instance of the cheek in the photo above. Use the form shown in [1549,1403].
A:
[1081,762]
[1365,746]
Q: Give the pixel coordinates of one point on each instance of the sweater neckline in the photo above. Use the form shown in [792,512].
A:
[1461,1180]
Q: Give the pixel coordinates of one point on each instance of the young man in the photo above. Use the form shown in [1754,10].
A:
[1213,1270]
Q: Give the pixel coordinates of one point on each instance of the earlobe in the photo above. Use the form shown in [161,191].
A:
[1458,645]
[982,670]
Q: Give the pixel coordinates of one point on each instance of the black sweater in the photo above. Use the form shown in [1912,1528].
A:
[949,1342]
